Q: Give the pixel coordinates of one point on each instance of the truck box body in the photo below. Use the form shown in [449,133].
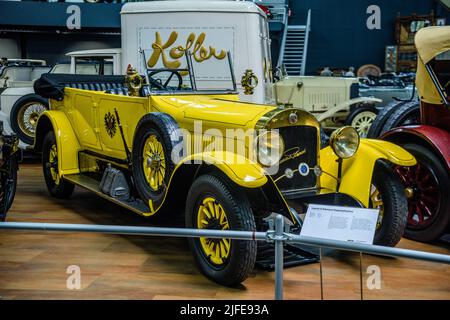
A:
[206,29]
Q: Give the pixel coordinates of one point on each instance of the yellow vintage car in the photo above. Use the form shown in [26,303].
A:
[168,143]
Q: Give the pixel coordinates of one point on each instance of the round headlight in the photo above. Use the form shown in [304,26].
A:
[270,146]
[345,142]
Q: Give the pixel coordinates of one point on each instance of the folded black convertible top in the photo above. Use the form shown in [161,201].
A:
[51,85]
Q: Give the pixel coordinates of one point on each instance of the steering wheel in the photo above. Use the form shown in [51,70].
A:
[163,86]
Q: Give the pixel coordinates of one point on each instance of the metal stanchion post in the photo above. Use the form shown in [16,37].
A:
[279,239]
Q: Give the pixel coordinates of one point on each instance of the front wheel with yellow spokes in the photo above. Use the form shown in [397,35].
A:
[387,194]
[214,203]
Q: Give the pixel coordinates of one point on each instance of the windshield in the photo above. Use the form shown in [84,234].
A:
[195,74]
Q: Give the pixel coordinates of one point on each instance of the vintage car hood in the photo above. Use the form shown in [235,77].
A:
[217,109]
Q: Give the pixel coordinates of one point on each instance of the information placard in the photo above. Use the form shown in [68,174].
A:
[340,223]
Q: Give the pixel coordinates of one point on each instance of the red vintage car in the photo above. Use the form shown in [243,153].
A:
[428,183]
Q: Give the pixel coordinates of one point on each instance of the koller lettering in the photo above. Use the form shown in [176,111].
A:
[193,43]
[194,310]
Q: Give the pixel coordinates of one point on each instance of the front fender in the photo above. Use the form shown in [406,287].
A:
[345,106]
[357,171]
[66,140]
[242,171]
[432,137]
[238,169]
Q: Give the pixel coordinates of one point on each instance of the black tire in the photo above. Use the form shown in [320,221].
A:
[11,185]
[242,255]
[395,206]
[163,127]
[382,116]
[407,114]
[18,108]
[441,220]
[60,189]
[8,185]
[356,112]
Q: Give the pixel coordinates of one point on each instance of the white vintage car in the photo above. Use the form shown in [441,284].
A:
[334,101]
[20,107]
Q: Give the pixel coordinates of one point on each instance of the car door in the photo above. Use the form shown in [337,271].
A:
[129,111]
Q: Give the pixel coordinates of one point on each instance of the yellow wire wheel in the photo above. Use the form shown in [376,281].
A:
[53,163]
[212,215]
[215,203]
[154,162]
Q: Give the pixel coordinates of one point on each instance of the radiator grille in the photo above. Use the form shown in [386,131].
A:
[297,139]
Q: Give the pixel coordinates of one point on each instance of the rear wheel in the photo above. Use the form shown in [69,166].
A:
[212,203]
[24,116]
[361,119]
[58,188]
[387,194]
[429,201]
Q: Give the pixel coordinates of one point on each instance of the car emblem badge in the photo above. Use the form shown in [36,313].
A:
[303,169]
[293,118]
[289,173]
[317,170]
[110,124]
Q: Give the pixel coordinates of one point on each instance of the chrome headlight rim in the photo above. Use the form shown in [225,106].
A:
[262,139]
[345,142]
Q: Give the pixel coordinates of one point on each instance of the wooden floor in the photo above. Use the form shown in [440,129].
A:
[33,264]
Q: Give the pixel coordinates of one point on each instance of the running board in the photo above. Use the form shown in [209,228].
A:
[136,205]
[293,255]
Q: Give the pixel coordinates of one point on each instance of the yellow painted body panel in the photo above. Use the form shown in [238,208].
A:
[67,142]
[86,111]
[241,171]
[246,173]
[82,115]
[357,170]
[430,42]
